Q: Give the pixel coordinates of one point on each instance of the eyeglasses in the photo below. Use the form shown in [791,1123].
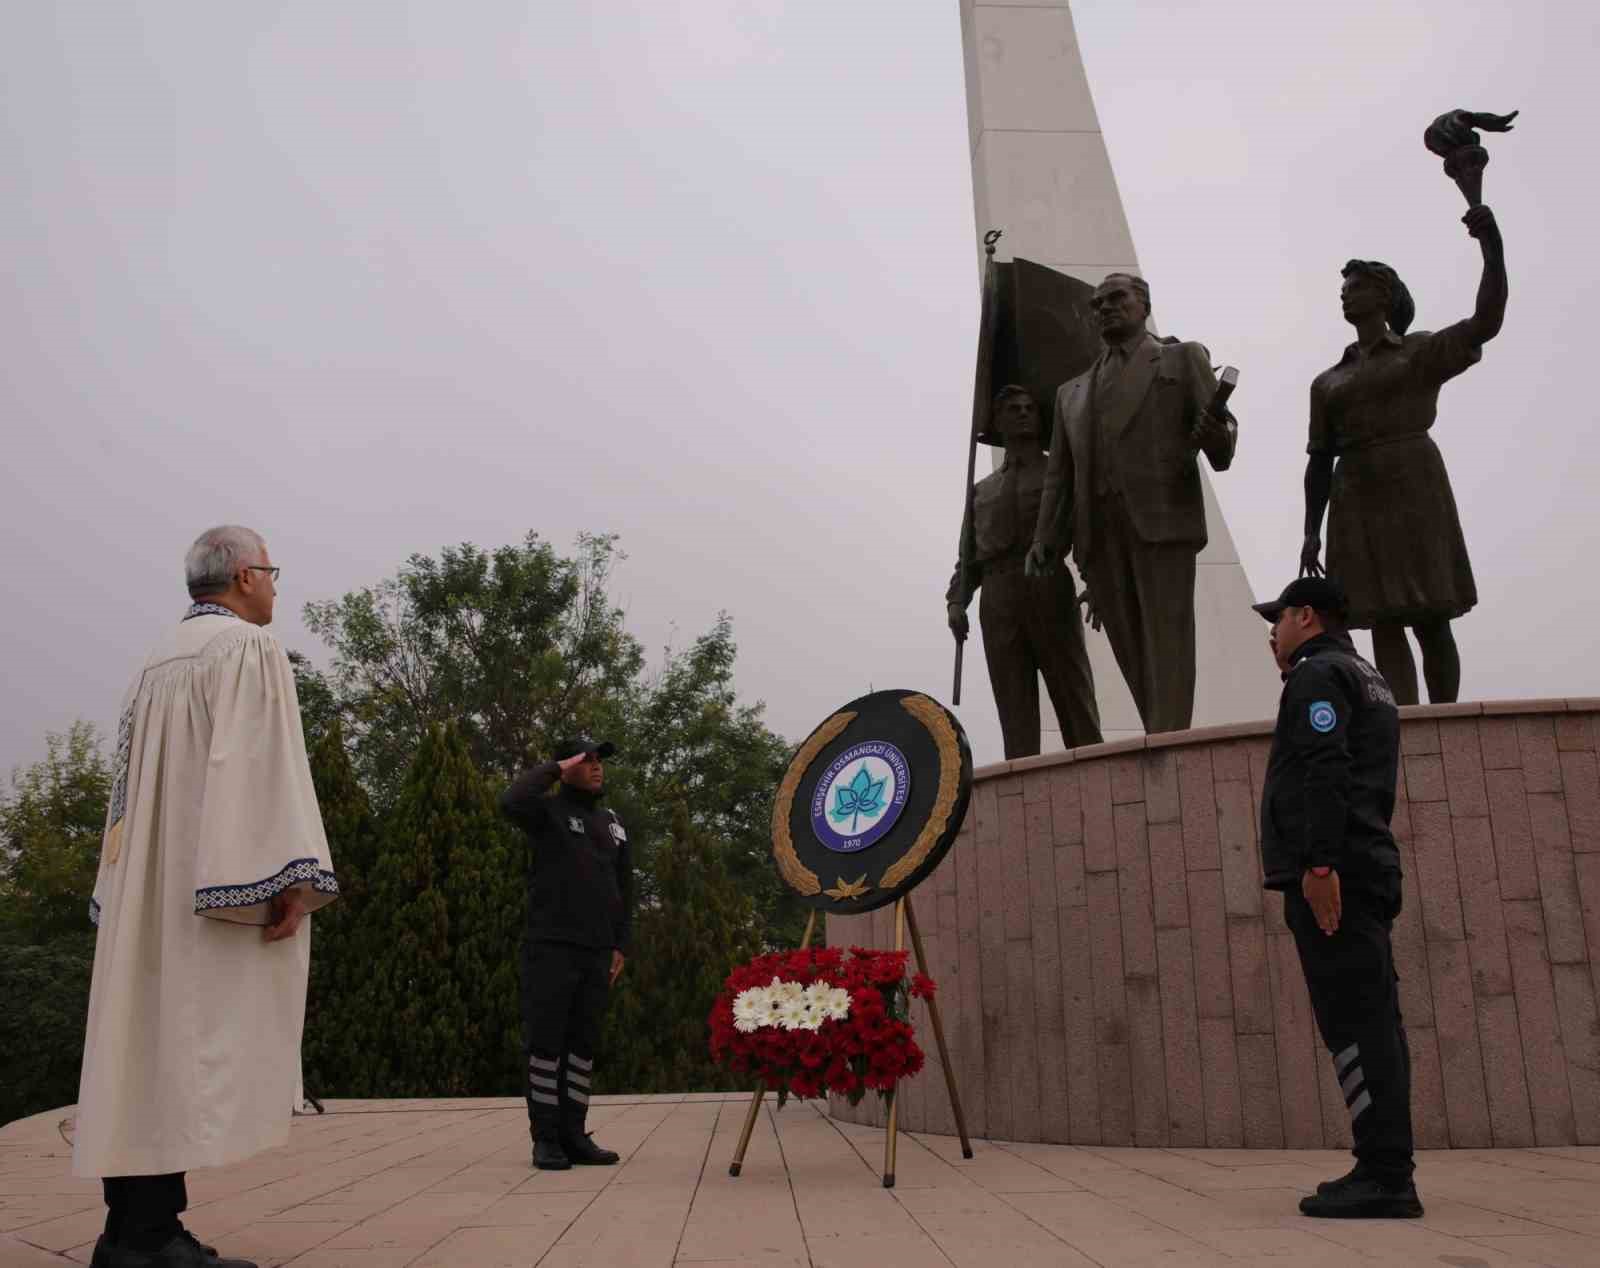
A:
[263,568]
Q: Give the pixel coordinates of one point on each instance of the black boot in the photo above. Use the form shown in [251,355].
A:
[183,1251]
[1365,1198]
[579,1144]
[548,1155]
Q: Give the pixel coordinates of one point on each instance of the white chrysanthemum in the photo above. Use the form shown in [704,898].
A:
[793,1014]
[747,1009]
[784,991]
[837,1004]
[768,1009]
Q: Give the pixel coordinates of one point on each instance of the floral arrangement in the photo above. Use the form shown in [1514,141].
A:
[820,1020]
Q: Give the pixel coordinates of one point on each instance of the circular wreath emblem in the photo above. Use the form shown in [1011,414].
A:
[871,802]
[860,796]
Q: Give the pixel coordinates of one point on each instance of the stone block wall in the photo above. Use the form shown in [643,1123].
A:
[1112,972]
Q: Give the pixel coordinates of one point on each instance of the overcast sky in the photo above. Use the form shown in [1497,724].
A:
[375,278]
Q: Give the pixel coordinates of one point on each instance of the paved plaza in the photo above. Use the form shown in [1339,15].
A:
[446,1184]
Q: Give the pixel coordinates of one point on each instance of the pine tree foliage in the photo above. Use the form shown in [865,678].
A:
[698,926]
[335,1045]
[432,948]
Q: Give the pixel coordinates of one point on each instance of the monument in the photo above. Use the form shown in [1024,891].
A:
[1041,173]
[1110,971]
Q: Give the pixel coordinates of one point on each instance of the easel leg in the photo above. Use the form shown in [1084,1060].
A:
[891,1137]
[737,1164]
[938,1032]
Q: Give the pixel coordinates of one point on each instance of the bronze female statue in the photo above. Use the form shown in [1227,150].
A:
[1394,537]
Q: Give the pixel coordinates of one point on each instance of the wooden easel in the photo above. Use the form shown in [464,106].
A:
[904,917]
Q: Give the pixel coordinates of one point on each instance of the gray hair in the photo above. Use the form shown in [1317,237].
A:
[1140,287]
[217,556]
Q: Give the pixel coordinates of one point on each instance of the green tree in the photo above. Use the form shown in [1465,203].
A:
[46,993]
[696,743]
[51,822]
[512,646]
[699,926]
[334,1048]
[434,942]
[518,646]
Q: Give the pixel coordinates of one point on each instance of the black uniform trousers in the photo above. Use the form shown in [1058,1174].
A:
[564,992]
[1143,593]
[1355,994]
[1031,628]
[142,1211]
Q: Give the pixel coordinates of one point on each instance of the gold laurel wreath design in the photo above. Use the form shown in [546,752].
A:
[796,874]
[927,712]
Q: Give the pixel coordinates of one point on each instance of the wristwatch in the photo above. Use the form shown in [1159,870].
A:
[1320,872]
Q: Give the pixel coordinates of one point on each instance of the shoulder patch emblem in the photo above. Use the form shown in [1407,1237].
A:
[1323,717]
[617,834]
[575,823]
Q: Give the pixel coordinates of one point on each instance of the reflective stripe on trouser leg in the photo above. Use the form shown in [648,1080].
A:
[1352,1082]
[542,1081]
[577,1078]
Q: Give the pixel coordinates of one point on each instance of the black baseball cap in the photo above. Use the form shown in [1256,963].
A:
[1318,593]
[576,744]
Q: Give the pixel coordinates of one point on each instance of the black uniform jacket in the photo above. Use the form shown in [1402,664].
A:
[580,865]
[1329,791]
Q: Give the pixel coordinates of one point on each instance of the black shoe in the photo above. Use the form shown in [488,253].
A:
[585,1153]
[549,1156]
[183,1251]
[1333,1186]
[1364,1198]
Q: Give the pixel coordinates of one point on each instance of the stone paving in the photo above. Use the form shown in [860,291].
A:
[446,1184]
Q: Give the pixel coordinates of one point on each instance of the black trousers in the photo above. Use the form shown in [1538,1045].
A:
[1355,994]
[564,992]
[142,1211]
[1031,627]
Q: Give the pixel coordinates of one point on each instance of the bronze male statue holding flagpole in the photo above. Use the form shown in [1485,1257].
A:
[1032,335]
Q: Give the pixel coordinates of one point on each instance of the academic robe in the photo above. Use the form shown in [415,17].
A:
[193,1039]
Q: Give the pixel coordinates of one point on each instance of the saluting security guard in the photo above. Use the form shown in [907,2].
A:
[1326,805]
[580,921]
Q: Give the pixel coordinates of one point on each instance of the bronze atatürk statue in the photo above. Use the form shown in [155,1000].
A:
[1123,476]
[1394,537]
[1031,625]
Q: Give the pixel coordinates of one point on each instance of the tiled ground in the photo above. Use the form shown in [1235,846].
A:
[446,1184]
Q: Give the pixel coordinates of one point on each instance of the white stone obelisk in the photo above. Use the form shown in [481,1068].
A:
[1041,173]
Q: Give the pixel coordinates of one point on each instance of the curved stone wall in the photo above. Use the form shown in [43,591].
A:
[1112,972]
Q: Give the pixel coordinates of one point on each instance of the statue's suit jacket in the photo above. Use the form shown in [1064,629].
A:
[1146,419]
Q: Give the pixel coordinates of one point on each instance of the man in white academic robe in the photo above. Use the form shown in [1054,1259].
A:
[213,856]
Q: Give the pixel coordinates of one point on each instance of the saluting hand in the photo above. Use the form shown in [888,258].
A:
[1322,892]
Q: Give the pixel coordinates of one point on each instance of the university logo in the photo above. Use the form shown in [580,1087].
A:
[860,796]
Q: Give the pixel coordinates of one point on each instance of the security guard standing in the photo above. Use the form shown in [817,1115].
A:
[580,920]
[1326,804]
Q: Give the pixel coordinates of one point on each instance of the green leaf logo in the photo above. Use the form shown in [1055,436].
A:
[861,798]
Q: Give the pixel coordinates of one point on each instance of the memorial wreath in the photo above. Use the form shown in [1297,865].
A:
[820,1020]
